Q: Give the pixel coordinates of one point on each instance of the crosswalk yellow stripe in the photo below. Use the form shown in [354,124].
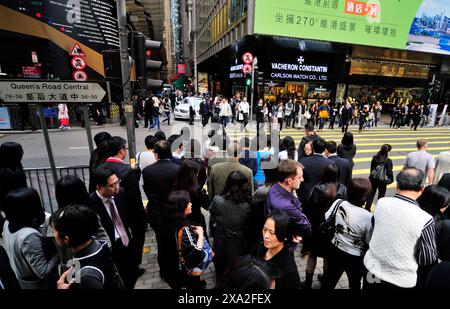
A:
[354,129]
[403,149]
[445,137]
[355,136]
[366,171]
[369,159]
[402,143]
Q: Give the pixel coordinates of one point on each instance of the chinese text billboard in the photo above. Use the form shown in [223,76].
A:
[386,23]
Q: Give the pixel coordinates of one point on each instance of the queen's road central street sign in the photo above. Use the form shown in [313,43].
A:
[42,91]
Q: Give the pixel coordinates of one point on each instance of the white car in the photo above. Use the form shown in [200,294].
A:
[182,110]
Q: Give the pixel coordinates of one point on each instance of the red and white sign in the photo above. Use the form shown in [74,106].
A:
[247,58]
[79,75]
[181,68]
[78,63]
[77,51]
[247,68]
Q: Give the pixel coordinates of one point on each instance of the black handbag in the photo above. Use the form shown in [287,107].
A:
[327,229]
[380,174]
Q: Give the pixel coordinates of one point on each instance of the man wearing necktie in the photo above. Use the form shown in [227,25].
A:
[109,201]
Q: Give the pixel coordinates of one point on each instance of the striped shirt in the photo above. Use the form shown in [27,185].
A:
[425,252]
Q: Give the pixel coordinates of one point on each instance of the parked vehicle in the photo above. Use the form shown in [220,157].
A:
[182,110]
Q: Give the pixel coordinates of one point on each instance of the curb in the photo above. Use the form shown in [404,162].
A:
[77,128]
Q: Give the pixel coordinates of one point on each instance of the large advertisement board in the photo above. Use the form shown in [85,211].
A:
[90,24]
[430,29]
[386,23]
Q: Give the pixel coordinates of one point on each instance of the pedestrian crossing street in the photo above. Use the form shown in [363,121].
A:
[369,142]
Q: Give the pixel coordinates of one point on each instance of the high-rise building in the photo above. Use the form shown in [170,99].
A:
[326,49]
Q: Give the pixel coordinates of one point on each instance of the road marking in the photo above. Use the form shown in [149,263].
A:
[402,143]
[82,147]
[369,159]
[402,149]
[366,171]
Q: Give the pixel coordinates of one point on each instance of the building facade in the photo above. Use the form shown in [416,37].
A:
[323,49]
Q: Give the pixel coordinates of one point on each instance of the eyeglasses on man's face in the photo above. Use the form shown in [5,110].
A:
[114,184]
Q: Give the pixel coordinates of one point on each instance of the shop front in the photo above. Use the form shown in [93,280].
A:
[292,73]
[389,76]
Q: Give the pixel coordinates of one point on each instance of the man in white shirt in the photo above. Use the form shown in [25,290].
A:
[179,152]
[225,113]
[146,158]
[244,108]
[403,238]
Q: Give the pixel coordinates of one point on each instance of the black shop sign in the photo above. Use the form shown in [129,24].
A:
[306,68]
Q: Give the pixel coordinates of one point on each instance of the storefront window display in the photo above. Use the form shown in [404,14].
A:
[386,95]
[319,91]
[282,90]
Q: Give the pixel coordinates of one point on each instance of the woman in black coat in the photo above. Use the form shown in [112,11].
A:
[347,149]
[187,180]
[322,197]
[380,158]
[230,221]
[274,248]
[12,175]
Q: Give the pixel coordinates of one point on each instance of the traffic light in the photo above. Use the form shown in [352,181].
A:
[248,79]
[437,86]
[143,48]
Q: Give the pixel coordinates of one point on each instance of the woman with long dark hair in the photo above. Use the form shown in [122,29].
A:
[277,236]
[347,149]
[23,240]
[193,151]
[350,241]
[230,219]
[249,273]
[287,149]
[71,190]
[322,197]
[187,180]
[189,246]
[103,153]
[381,158]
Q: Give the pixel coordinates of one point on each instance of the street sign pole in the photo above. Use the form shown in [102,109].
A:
[255,62]
[48,145]
[87,125]
[125,66]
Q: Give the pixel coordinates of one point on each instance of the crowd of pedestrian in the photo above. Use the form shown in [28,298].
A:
[263,204]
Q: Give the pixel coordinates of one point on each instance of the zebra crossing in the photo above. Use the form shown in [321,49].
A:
[368,142]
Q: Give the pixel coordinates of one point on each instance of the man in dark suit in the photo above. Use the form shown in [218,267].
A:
[110,202]
[158,181]
[205,111]
[343,164]
[313,169]
[130,183]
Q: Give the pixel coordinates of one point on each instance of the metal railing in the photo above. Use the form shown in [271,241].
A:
[41,179]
